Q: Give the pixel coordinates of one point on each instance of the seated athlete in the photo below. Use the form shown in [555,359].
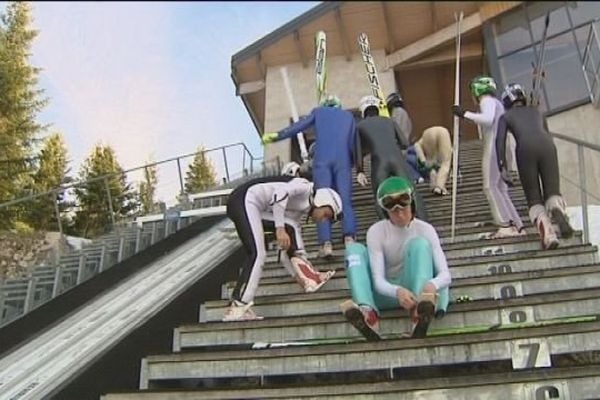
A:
[403,265]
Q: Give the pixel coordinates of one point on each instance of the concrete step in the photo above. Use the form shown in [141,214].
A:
[464,249]
[286,285]
[560,382]
[526,347]
[463,267]
[329,323]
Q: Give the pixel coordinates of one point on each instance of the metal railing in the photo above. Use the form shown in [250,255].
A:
[18,296]
[591,63]
[581,165]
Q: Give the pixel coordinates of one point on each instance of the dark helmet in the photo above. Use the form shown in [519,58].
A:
[394,100]
[513,92]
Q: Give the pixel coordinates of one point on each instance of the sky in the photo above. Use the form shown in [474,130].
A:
[151,79]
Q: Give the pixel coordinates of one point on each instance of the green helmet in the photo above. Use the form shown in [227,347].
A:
[481,85]
[331,100]
[393,188]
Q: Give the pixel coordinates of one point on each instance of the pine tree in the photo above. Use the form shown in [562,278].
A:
[51,173]
[93,216]
[201,173]
[20,100]
[147,191]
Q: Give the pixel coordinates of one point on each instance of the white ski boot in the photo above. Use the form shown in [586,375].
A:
[557,209]
[547,233]
[310,279]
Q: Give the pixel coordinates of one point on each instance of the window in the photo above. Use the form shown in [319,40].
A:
[517,39]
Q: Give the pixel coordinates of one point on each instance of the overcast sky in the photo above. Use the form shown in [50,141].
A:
[152,79]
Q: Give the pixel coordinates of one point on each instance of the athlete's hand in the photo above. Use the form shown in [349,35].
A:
[283,239]
[406,298]
[458,111]
[361,179]
[270,137]
[506,177]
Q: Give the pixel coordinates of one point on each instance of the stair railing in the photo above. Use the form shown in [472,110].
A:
[581,146]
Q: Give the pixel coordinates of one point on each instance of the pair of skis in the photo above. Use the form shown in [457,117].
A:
[367,57]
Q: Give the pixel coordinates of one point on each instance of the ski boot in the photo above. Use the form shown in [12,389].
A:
[240,311]
[425,312]
[310,279]
[363,318]
[546,231]
[556,208]
[326,250]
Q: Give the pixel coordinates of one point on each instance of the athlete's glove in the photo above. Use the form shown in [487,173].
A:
[506,177]
[458,111]
[361,179]
[424,167]
[270,137]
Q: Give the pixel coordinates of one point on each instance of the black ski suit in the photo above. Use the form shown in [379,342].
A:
[382,138]
[535,151]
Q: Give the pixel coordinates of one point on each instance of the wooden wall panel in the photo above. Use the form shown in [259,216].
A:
[490,9]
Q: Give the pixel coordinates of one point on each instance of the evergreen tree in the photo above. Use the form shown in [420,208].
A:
[51,173]
[20,100]
[147,190]
[201,173]
[93,216]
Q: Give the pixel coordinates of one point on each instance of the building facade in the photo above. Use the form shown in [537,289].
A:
[413,44]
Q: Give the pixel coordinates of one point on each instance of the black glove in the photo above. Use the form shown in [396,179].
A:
[506,177]
[458,111]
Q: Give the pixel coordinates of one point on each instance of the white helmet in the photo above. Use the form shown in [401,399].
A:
[328,197]
[291,169]
[366,102]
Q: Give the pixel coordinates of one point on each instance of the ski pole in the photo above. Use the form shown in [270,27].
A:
[538,69]
[456,123]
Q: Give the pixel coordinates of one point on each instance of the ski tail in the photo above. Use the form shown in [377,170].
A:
[321,64]
[538,71]
[372,77]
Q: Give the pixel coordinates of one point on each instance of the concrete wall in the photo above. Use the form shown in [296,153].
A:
[581,123]
[346,79]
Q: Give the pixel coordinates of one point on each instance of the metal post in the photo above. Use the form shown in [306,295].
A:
[251,164]
[110,207]
[583,188]
[243,159]
[58,221]
[180,176]
[225,161]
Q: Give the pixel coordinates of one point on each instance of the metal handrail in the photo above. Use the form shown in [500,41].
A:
[59,189]
[581,144]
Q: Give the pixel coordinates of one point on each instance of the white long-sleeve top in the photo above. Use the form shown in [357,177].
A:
[282,199]
[491,109]
[387,246]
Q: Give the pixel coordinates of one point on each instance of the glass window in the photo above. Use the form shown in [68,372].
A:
[564,80]
[583,11]
[511,33]
[559,21]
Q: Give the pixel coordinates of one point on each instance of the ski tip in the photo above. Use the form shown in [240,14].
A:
[547,20]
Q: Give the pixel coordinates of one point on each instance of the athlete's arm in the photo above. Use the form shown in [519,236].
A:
[377,263]
[501,142]
[281,196]
[486,116]
[297,127]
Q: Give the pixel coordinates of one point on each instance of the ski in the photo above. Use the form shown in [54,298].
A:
[538,72]
[372,77]
[456,126]
[294,110]
[321,65]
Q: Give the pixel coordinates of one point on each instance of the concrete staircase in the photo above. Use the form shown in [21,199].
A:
[529,329]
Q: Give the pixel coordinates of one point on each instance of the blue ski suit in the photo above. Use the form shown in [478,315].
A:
[335,135]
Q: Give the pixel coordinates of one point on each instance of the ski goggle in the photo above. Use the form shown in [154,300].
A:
[390,202]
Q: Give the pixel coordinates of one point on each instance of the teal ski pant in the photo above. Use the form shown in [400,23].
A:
[418,268]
